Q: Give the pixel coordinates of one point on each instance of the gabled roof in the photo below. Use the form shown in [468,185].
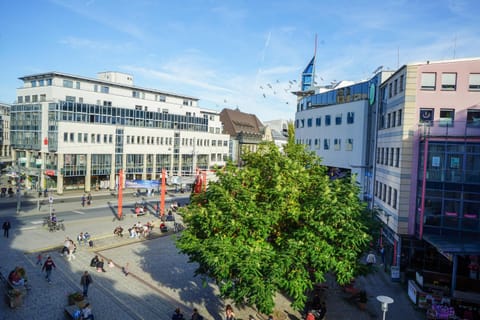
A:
[235,122]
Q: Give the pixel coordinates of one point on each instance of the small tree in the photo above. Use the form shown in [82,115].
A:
[278,224]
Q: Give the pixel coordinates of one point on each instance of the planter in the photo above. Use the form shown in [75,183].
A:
[75,298]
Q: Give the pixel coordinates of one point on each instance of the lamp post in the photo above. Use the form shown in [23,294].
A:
[384,301]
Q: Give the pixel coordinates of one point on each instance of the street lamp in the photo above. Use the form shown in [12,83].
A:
[385,301]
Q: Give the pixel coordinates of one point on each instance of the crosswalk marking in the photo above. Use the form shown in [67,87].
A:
[79,212]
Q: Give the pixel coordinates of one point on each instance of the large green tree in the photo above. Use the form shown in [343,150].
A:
[278,224]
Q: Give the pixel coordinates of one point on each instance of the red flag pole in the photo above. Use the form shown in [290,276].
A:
[120,193]
[204,180]
[162,193]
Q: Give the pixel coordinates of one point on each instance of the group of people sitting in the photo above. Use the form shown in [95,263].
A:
[99,264]
[139,229]
[84,238]
[69,248]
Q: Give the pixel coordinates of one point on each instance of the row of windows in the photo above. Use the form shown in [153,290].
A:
[32,98]
[447,117]
[396,86]
[356,92]
[448,81]
[41,82]
[393,119]
[300,123]
[388,156]
[67,83]
[108,138]
[337,144]
[386,193]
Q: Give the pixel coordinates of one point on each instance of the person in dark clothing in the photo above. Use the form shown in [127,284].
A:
[6,227]
[177,315]
[100,265]
[85,281]
[93,262]
[48,266]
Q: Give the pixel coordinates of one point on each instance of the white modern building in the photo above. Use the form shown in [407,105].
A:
[337,122]
[74,132]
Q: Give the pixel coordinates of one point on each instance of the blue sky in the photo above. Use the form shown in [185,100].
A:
[225,52]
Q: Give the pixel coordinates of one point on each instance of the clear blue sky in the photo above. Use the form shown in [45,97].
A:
[225,52]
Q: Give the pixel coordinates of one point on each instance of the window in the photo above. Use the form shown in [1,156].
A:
[389,195]
[79,137]
[77,84]
[309,122]
[385,161]
[474,82]
[104,89]
[185,102]
[65,137]
[473,118]
[72,139]
[318,122]
[99,138]
[350,117]
[388,120]
[95,88]
[49,82]
[390,91]
[92,138]
[43,97]
[449,81]
[34,98]
[400,89]
[302,123]
[85,137]
[19,99]
[446,117]
[162,98]
[327,120]
[326,144]
[33,83]
[394,118]
[428,81]
[394,200]
[337,144]
[397,158]
[27,99]
[399,118]
[426,115]
[68,83]
[395,87]
[349,144]
[392,150]
[41,82]
[338,119]
[135,94]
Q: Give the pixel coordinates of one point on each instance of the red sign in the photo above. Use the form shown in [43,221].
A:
[45,141]
[50,173]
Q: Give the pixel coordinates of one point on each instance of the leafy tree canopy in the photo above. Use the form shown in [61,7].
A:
[278,224]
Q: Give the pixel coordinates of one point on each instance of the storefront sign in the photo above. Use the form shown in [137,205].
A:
[50,173]
[413,290]
[395,273]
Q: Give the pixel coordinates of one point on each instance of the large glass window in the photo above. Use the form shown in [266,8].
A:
[68,83]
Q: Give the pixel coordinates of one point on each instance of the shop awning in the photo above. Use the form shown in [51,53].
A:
[454,245]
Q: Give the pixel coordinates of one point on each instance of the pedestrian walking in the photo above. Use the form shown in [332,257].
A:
[83,201]
[229,314]
[47,267]
[6,227]
[39,259]
[85,281]
[125,270]
[371,260]
[177,315]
